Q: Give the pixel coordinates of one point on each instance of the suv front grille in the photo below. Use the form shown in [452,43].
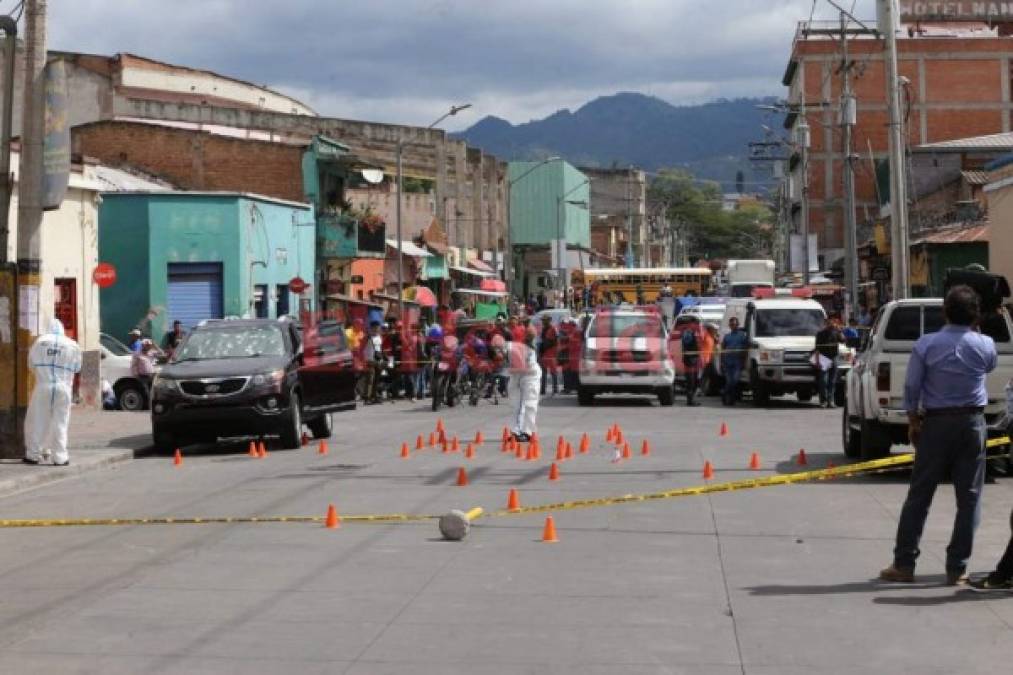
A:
[797,357]
[213,387]
[625,356]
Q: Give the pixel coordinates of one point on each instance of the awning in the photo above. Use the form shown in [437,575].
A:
[480,265]
[475,273]
[476,291]
[409,248]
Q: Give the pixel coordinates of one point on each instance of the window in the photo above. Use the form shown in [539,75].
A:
[933,318]
[282,306]
[260,301]
[230,342]
[788,322]
[905,323]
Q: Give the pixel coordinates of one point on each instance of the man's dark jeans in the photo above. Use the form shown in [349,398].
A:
[953,444]
[826,383]
[732,370]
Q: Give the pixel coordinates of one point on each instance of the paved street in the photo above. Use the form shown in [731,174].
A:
[775,580]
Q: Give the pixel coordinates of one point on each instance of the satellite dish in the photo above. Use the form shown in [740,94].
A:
[372,176]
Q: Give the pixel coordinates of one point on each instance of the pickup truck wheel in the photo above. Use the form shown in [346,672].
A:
[851,435]
[666,396]
[321,427]
[585,396]
[805,396]
[291,432]
[131,395]
[761,395]
[875,441]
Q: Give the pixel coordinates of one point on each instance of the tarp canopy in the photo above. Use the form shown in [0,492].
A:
[409,248]
[476,291]
[468,270]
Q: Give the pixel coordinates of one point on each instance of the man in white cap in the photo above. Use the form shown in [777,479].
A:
[54,360]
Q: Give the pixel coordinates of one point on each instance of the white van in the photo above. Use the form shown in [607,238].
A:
[782,337]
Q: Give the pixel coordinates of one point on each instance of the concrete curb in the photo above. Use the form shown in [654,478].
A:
[80,463]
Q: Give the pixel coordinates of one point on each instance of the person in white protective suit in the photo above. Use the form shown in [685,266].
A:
[54,360]
[524,365]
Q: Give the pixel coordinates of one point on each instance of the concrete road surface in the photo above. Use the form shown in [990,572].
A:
[775,580]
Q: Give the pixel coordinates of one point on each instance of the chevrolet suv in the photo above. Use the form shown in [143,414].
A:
[258,377]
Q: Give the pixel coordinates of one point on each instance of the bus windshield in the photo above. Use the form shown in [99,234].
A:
[788,322]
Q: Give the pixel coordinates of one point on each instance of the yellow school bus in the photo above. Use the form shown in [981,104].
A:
[605,284]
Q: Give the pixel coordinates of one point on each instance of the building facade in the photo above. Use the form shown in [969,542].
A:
[191,256]
[618,214]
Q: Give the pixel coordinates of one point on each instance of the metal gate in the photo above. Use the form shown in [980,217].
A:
[195,293]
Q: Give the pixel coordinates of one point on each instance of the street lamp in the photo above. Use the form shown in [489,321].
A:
[560,241]
[454,109]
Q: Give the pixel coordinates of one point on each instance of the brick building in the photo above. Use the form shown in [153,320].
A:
[959,86]
[618,206]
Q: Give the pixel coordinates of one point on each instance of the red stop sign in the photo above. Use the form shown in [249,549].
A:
[104,275]
[297,285]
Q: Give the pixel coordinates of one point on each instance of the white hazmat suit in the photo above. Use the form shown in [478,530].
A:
[54,360]
[528,374]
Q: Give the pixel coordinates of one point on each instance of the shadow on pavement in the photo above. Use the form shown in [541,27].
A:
[870,586]
[961,595]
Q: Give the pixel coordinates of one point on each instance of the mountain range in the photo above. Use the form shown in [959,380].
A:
[710,140]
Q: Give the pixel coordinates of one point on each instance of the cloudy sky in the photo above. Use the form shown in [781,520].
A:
[406,61]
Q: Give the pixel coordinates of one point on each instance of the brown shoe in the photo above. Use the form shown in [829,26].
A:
[898,575]
[956,578]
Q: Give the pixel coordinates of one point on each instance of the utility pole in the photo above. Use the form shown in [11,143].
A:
[849,117]
[804,139]
[887,16]
[629,218]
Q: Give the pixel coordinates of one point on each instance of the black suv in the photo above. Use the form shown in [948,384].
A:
[256,377]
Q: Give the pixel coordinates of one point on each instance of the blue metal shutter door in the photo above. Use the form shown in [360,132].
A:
[195,293]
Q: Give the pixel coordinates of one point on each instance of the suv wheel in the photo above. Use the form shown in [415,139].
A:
[132,396]
[851,435]
[585,396]
[666,396]
[291,432]
[321,427]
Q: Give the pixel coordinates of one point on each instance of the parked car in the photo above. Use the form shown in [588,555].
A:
[256,377]
[874,417]
[782,337]
[131,394]
[626,351]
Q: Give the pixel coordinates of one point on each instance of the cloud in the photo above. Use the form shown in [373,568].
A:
[408,60]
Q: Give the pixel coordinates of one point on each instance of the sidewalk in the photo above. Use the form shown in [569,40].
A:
[97,439]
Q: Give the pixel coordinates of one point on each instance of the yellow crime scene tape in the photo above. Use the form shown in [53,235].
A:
[848,471]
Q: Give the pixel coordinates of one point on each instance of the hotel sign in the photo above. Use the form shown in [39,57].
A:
[955,10]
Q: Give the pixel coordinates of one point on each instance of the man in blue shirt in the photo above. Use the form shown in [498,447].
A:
[945,398]
[734,349]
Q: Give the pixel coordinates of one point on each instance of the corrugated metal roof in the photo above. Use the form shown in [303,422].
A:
[975,177]
[955,235]
[991,142]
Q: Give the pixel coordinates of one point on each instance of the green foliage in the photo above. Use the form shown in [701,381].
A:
[693,206]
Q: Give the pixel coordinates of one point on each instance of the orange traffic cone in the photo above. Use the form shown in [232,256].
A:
[532,452]
[560,443]
[419,443]
[305,439]
[445,446]
[754,461]
[724,430]
[462,477]
[645,448]
[455,445]
[405,454]
[332,522]
[322,450]
[439,425]
[504,446]
[479,438]
[554,472]
[506,434]
[708,470]
[534,437]
[441,436]
[627,453]
[432,439]
[538,449]
[608,435]
[549,533]
[568,454]
[252,452]
[469,452]
[513,500]
[262,450]
[618,437]
[830,464]
[560,453]
[585,444]
[802,459]
[519,450]
[177,459]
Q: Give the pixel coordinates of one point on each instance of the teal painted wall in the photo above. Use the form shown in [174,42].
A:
[234,230]
[122,233]
[534,199]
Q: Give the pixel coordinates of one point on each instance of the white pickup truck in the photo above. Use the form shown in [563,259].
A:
[874,417]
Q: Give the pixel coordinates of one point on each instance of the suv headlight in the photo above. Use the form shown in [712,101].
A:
[271,377]
[162,385]
[770,356]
